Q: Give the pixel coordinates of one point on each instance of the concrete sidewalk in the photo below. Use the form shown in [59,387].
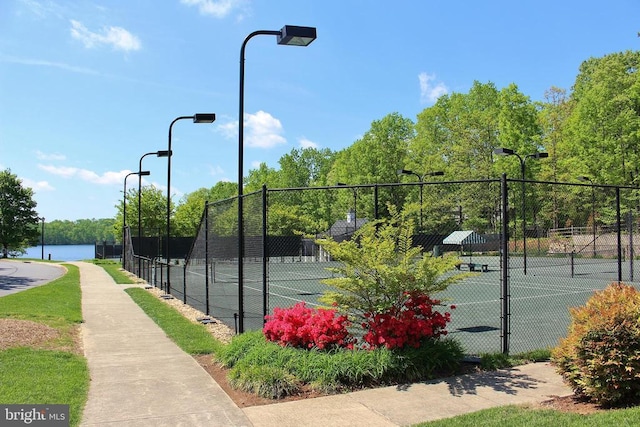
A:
[141,378]
[414,403]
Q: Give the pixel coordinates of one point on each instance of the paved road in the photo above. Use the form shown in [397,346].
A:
[16,276]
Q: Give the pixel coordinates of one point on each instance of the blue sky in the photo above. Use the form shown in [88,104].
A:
[88,87]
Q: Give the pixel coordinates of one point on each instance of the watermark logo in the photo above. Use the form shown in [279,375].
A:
[34,415]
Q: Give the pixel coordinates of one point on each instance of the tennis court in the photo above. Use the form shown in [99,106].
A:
[538,301]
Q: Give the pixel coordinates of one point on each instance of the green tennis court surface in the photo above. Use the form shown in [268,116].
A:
[539,300]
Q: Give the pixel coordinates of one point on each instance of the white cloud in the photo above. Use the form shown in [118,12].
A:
[306,143]
[430,90]
[256,164]
[107,178]
[45,156]
[262,130]
[218,8]
[37,185]
[117,37]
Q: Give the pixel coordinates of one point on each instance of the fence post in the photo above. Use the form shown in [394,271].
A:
[630,230]
[184,283]
[619,220]
[573,262]
[265,255]
[206,256]
[375,201]
[504,263]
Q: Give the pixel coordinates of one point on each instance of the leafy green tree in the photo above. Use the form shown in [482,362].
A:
[604,123]
[189,212]
[153,212]
[306,167]
[375,158]
[561,165]
[18,217]
[264,175]
[457,136]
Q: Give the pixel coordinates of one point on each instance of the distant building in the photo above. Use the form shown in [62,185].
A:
[343,229]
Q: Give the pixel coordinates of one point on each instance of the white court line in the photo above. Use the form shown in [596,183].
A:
[277,295]
[497,300]
[554,288]
[285,297]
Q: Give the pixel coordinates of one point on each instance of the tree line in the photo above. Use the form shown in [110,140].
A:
[79,232]
[591,131]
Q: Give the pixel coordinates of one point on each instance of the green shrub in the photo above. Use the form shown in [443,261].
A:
[600,357]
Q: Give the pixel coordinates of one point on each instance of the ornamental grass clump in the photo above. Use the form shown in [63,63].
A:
[600,357]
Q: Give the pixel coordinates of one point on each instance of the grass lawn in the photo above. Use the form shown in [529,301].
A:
[190,337]
[507,416]
[113,268]
[53,371]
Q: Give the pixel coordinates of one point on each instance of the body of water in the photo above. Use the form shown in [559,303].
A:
[62,252]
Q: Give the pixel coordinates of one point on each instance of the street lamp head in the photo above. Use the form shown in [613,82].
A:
[143,173]
[204,118]
[541,155]
[404,172]
[163,153]
[584,178]
[341,184]
[503,151]
[292,35]
[437,173]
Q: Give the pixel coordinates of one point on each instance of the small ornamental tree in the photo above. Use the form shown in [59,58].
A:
[384,283]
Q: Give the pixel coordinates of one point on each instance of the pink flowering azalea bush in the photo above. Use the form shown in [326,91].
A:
[304,327]
[406,326]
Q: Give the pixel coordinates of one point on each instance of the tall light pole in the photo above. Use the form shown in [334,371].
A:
[289,35]
[593,209]
[537,155]
[42,238]
[421,180]
[161,153]
[124,212]
[197,118]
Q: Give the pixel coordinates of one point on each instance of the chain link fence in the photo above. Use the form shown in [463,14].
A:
[534,249]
